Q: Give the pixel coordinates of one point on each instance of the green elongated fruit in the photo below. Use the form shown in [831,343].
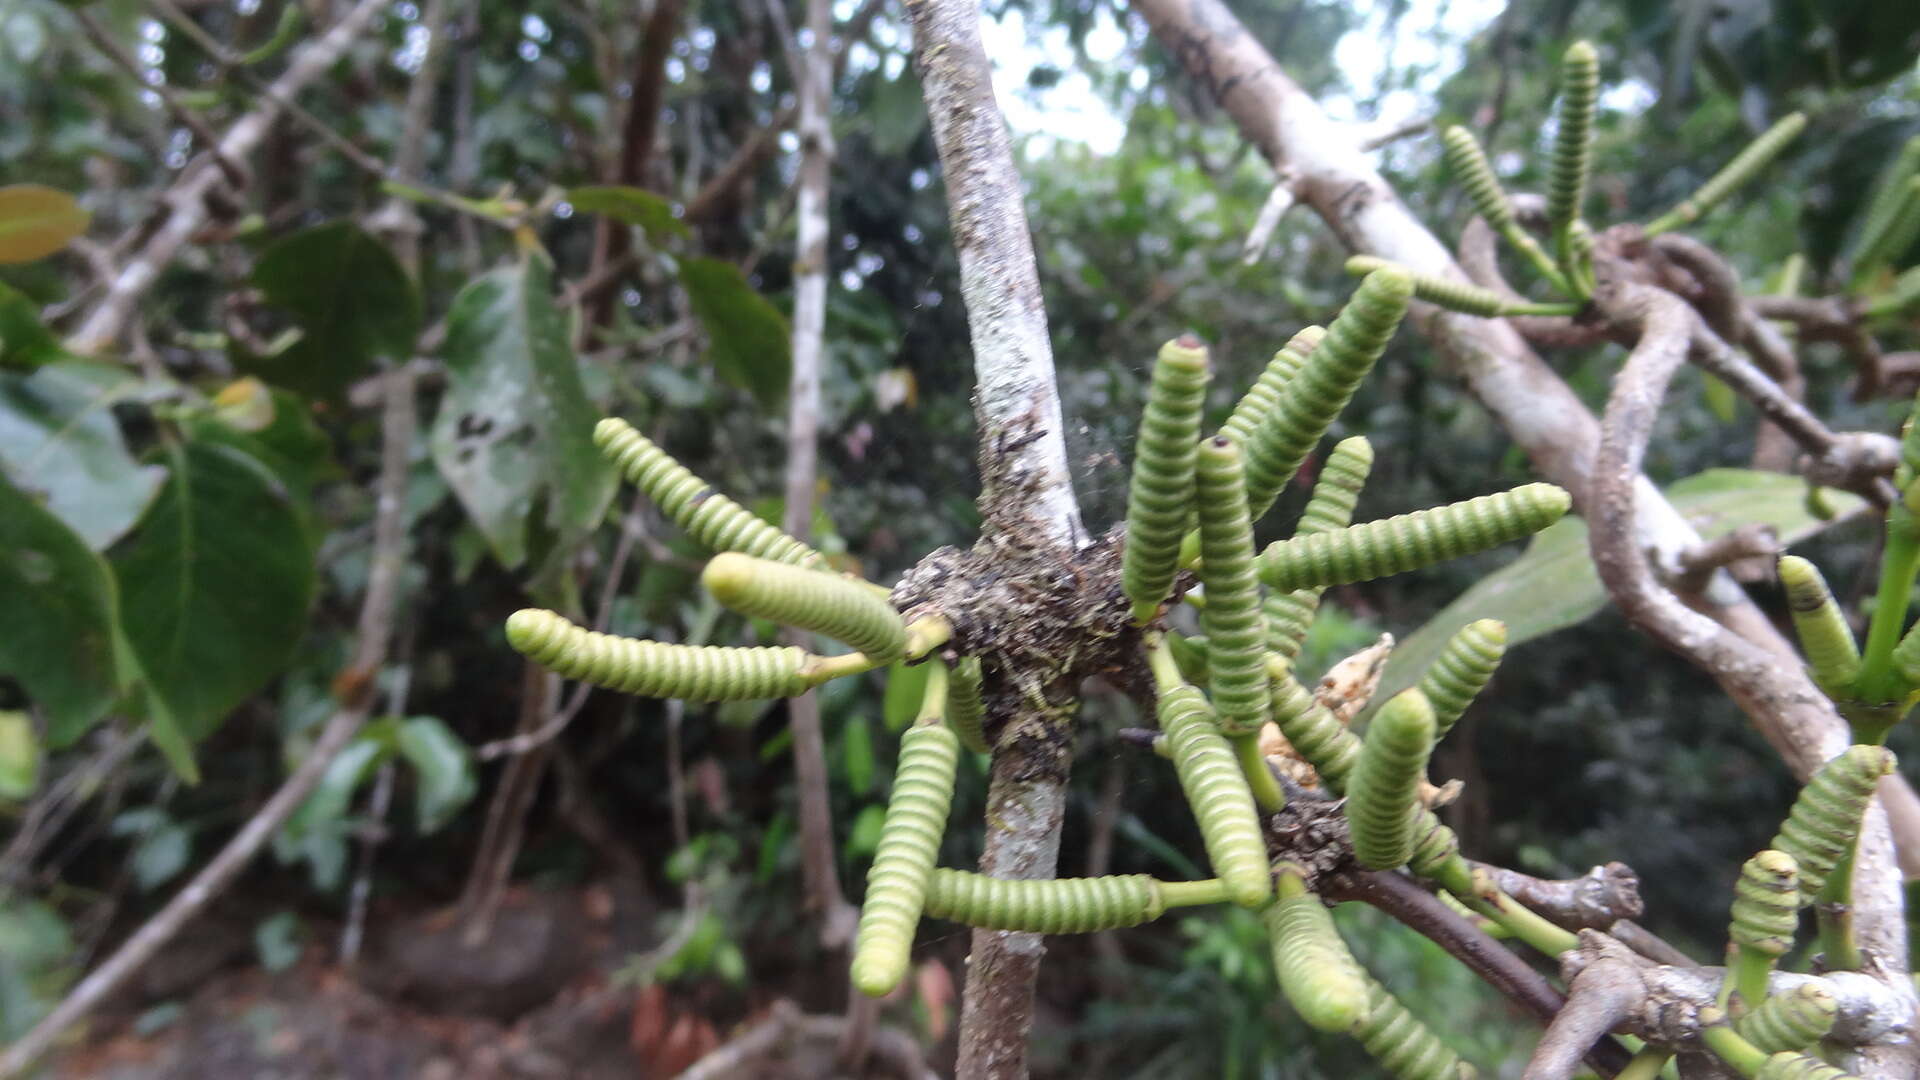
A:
[1264,395]
[1434,844]
[1190,656]
[1906,657]
[1218,795]
[965,709]
[1335,493]
[1462,296]
[1573,139]
[1160,495]
[1788,1065]
[903,862]
[1317,973]
[1384,791]
[1888,192]
[715,522]
[1404,1046]
[1064,906]
[1902,297]
[1410,541]
[1744,166]
[653,668]
[1766,904]
[1832,654]
[1468,163]
[1893,237]
[810,599]
[1315,734]
[1236,632]
[1577,245]
[1462,670]
[1791,1020]
[1322,387]
[1826,817]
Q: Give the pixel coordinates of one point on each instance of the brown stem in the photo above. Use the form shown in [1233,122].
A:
[1599,898]
[1604,994]
[638,132]
[1697,563]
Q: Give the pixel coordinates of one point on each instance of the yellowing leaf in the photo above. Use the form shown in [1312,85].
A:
[36,221]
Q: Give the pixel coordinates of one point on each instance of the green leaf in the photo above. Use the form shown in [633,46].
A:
[1553,586]
[161,845]
[35,947]
[747,337]
[61,445]
[19,756]
[215,585]
[856,753]
[515,426]
[631,205]
[62,611]
[317,832]
[351,299]
[36,221]
[864,839]
[895,114]
[25,342]
[276,940]
[906,687]
[442,768]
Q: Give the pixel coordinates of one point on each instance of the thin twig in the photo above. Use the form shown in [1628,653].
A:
[1750,541]
[236,175]
[1598,898]
[1603,995]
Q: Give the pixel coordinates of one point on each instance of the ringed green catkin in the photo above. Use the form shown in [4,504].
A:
[1063,906]
[1383,791]
[1462,669]
[1468,163]
[1324,384]
[715,522]
[1462,296]
[1410,541]
[1434,844]
[1832,654]
[1789,1065]
[1906,656]
[1766,904]
[1218,794]
[1741,169]
[1315,733]
[903,862]
[1826,817]
[1235,630]
[1317,973]
[1160,494]
[1889,192]
[966,711]
[813,600]
[652,668]
[1335,492]
[1903,295]
[1573,139]
[1404,1046]
[1894,236]
[1790,1020]
[1250,412]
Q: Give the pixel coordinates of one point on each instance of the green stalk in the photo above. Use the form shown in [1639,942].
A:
[1833,914]
[1646,1064]
[1474,889]
[1192,893]
[1728,1046]
[1879,682]
[1260,779]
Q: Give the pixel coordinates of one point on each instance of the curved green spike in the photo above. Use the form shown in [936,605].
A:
[1410,541]
[1902,297]
[653,668]
[1404,1046]
[1741,169]
[966,712]
[1461,670]
[1832,654]
[715,522]
[1435,846]
[1889,190]
[1573,139]
[1236,633]
[1317,393]
[903,862]
[1218,795]
[1384,791]
[1462,296]
[1788,1065]
[1470,168]
[1825,819]
[1894,236]
[809,599]
[1160,494]
[1317,973]
[1062,906]
[1251,411]
[1906,657]
[1576,251]
[1790,1020]
[1336,491]
[1766,915]
[1315,734]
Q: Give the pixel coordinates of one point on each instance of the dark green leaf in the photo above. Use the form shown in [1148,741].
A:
[906,686]
[856,753]
[864,838]
[516,424]
[895,114]
[36,221]
[351,299]
[19,756]
[631,205]
[317,832]
[747,337]
[24,342]
[442,769]
[276,940]
[61,617]
[60,443]
[215,585]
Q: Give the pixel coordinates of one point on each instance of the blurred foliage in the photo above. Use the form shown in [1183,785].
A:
[186,522]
